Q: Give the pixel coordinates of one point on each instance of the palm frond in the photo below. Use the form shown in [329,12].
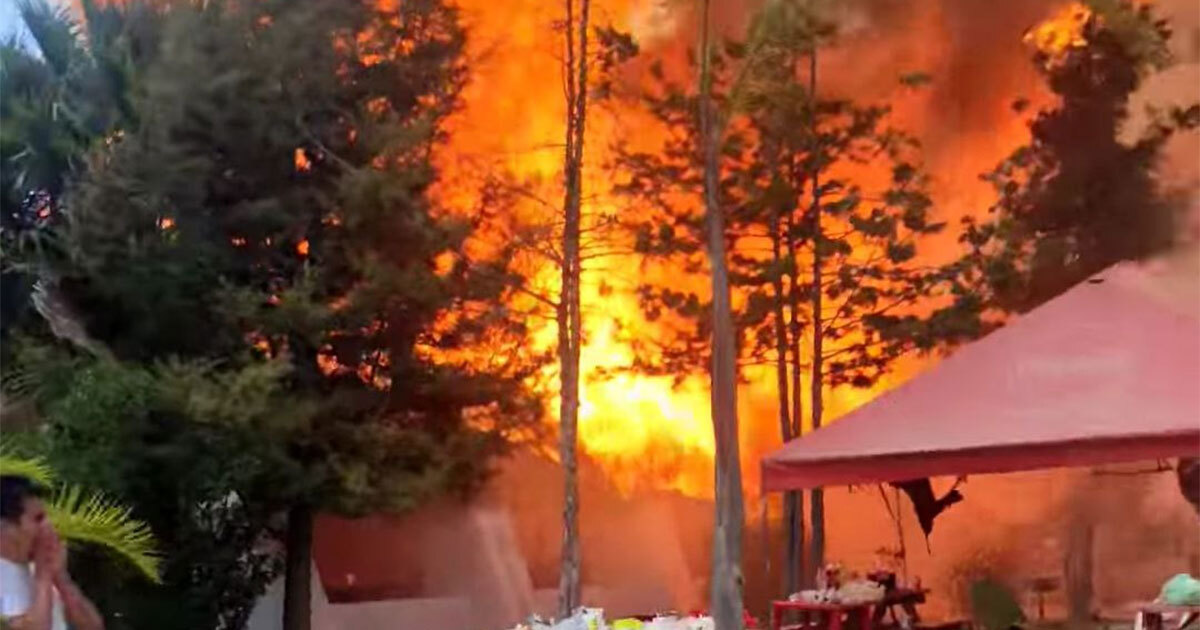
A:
[19,382]
[33,468]
[54,31]
[89,517]
[96,519]
[63,319]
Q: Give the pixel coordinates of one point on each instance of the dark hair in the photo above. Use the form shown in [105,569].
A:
[14,490]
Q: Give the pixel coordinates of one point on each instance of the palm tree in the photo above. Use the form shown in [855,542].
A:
[63,92]
[86,517]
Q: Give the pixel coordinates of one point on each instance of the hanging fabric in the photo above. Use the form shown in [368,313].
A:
[927,507]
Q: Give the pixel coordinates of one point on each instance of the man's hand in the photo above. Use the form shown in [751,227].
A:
[50,562]
[49,554]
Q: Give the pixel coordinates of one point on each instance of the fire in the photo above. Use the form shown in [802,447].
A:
[641,426]
[301,161]
[1061,32]
[649,431]
[643,430]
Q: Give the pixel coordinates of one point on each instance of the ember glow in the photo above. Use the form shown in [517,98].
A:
[648,431]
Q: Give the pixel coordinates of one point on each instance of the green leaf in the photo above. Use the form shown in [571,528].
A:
[92,518]
[53,31]
[33,468]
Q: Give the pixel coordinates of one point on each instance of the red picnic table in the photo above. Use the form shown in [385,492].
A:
[867,620]
[834,611]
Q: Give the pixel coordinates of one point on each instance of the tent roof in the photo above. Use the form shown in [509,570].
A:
[1108,371]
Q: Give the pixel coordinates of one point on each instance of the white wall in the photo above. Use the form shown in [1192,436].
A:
[268,612]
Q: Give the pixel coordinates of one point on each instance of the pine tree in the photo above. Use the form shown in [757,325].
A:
[727,581]
[59,98]
[567,236]
[796,170]
[1077,198]
[570,335]
[261,220]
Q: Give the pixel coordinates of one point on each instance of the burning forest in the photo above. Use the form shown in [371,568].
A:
[643,418]
[444,314]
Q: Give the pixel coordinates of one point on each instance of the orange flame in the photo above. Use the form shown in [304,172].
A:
[643,430]
[301,161]
[648,431]
[1061,32]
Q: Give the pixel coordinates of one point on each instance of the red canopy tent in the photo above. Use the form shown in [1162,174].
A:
[1107,372]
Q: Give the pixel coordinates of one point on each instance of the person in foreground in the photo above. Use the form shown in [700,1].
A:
[36,591]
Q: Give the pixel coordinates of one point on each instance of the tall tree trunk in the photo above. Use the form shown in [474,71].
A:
[569,334]
[786,431]
[726,596]
[297,579]
[817,555]
[797,497]
[1077,571]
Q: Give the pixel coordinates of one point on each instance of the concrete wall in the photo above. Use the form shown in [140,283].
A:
[445,613]
[457,566]
[406,614]
[470,568]
[268,613]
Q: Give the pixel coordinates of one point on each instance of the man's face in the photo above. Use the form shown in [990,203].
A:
[20,534]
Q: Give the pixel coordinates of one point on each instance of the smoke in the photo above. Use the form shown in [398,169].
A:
[642,552]
[1177,85]
[1017,528]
